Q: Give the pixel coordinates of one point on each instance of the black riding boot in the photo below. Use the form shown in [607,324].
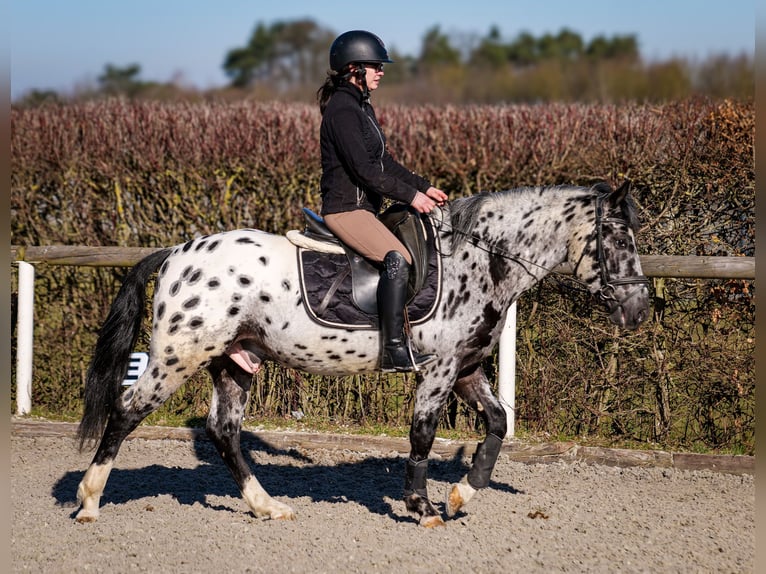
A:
[396,355]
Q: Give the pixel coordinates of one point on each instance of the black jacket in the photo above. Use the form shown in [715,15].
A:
[357,169]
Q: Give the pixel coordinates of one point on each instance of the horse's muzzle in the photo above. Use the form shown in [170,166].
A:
[630,308]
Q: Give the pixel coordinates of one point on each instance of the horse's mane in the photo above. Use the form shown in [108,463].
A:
[463,215]
[465,211]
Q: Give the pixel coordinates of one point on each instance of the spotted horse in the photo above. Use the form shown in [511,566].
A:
[230,301]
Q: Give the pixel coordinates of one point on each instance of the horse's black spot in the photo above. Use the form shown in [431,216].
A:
[285,325]
[212,246]
[176,317]
[267,320]
[186,271]
[236,297]
[286,285]
[180,369]
[171,361]
[173,329]
[350,352]
[232,311]
[214,283]
[265,297]
[209,347]
[187,246]
[168,350]
[334,357]
[244,280]
[299,346]
[244,240]
[264,260]
[329,337]
[155,372]
[196,322]
[157,386]
[175,287]
[498,265]
[200,245]
[164,268]
[160,310]
[195,277]
[190,303]
[129,394]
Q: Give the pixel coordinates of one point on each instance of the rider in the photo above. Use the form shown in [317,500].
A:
[358,172]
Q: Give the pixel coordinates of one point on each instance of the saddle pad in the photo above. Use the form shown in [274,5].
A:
[319,270]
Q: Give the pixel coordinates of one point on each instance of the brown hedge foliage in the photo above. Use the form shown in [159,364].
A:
[151,174]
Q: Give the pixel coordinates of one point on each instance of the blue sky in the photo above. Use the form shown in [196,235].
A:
[62,44]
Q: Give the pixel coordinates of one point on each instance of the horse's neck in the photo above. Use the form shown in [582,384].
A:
[535,230]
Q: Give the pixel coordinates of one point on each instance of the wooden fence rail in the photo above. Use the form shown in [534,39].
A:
[680,266]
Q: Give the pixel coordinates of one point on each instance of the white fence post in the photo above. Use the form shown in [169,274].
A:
[24,337]
[506,369]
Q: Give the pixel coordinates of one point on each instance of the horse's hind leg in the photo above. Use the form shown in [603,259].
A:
[231,391]
[474,389]
[134,405]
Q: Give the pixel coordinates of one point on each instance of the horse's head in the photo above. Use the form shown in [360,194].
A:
[608,262]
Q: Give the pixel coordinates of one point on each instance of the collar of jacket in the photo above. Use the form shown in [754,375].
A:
[356,93]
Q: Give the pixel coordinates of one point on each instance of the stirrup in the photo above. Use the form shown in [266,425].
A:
[402,359]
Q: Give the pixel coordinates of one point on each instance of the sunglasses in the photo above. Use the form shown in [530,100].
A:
[377,66]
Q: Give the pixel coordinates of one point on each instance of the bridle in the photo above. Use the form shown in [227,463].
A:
[606,293]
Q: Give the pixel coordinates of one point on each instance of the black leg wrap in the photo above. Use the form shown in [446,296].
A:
[484,460]
[415,478]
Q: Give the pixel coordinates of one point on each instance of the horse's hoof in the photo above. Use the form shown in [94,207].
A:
[454,501]
[432,522]
[85,516]
[458,496]
[283,516]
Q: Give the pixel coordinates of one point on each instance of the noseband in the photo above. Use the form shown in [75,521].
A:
[606,293]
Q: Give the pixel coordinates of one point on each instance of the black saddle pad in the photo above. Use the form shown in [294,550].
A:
[319,270]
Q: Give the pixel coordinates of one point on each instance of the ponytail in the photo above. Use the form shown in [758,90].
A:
[334,80]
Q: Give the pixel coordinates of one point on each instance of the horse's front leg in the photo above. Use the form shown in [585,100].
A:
[430,397]
[474,389]
[231,391]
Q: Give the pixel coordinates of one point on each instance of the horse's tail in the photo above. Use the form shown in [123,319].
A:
[116,340]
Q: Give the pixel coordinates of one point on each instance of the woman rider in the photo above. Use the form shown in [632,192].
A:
[357,173]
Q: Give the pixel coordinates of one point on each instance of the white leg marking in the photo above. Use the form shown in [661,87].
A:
[262,505]
[458,496]
[90,490]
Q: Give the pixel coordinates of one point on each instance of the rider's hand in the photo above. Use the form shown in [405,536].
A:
[437,195]
[425,202]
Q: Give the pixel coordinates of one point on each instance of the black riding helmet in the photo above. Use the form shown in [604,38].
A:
[357,46]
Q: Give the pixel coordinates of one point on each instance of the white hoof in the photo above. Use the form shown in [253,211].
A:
[86,516]
[432,522]
[458,496]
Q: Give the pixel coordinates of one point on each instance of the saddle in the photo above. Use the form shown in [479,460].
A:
[320,248]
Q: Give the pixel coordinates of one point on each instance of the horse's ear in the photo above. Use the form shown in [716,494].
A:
[619,194]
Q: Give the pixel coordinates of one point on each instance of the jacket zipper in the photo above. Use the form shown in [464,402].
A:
[359,195]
